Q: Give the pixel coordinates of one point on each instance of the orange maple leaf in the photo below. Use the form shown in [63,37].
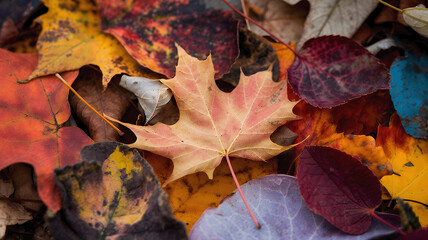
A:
[31,118]
[214,124]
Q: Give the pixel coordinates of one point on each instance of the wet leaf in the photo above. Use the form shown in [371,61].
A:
[278,205]
[110,101]
[113,193]
[335,17]
[332,70]
[194,25]
[214,123]
[31,123]
[409,92]
[71,38]
[338,187]
[409,159]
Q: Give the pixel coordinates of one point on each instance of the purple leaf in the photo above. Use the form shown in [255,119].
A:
[281,211]
[331,70]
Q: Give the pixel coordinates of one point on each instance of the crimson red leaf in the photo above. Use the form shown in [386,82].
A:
[149,29]
[331,70]
[338,187]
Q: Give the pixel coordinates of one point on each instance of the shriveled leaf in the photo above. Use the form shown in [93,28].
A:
[335,17]
[214,123]
[148,31]
[409,159]
[110,101]
[255,55]
[31,123]
[338,187]
[10,214]
[113,193]
[417,18]
[151,93]
[279,17]
[191,195]
[278,205]
[332,70]
[72,38]
[409,92]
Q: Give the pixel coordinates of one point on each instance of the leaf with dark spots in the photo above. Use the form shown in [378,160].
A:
[31,123]
[409,92]
[409,160]
[71,38]
[148,31]
[111,101]
[255,55]
[278,205]
[113,193]
[338,187]
[331,70]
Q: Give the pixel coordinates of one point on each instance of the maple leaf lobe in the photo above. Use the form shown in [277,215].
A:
[214,123]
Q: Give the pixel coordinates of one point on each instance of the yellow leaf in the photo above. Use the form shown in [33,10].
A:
[71,37]
[191,195]
[408,156]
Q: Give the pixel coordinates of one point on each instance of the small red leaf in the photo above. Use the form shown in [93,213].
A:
[338,187]
[331,70]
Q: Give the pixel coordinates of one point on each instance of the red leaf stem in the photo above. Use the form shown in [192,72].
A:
[372,212]
[242,194]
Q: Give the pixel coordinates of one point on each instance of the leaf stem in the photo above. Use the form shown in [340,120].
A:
[241,193]
[87,104]
[372,212]
[260,26]
[403,11]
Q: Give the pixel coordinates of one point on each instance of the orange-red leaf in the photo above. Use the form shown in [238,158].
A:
[31,118]
[214,123]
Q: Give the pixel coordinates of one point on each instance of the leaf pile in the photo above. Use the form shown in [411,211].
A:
[190,83]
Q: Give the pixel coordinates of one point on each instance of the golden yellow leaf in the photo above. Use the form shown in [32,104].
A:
[408,156]
[71,37]
[191,195]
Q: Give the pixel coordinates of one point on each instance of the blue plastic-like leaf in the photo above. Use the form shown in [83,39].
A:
[281,211]
[409,92]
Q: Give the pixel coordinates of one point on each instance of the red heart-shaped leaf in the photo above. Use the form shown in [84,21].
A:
[338,187]
[331,70]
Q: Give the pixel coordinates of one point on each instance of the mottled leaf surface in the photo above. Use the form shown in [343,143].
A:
[278,205]
[255,55]
[31,118]
[324,127]
[331,70]
[113,193]
[149,29]
[338,187]
[72,37]
[409,159]
[214,123]
[409,92]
